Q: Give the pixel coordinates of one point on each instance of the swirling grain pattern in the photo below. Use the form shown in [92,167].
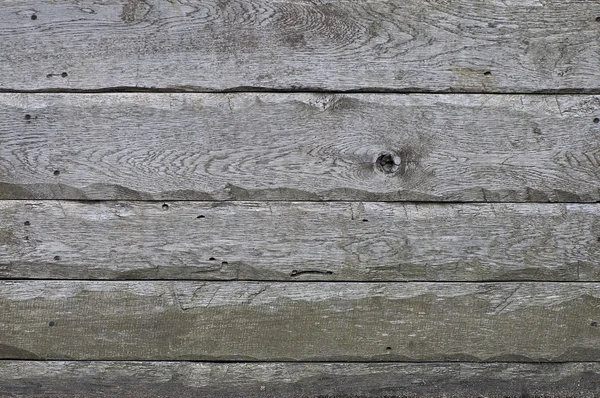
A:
[215,45]
[370,147]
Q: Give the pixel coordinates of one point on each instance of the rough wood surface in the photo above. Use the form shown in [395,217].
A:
[301,321]
[433,147]
[402,45]
[351,241]
[295,380]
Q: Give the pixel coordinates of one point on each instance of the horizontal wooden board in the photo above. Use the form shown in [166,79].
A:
[401,45]
[298,380]
[302,321]
[436,147]
[351,241]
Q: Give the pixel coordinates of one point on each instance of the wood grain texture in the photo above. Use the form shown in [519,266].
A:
[431,147]
[298,380]
[401,45]
[343,241]
[302,321]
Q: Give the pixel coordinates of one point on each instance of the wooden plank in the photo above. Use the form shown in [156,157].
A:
[401,45]
[283,380]
[351,241]
[302,321]
[300,147]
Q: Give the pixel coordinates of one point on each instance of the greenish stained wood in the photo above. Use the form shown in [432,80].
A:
[302,321]
[294,380]
[331,241]
[371,147]
[399,45]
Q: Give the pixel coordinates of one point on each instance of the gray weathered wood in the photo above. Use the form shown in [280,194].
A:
[302,321]
[403,45]
[294,380]
[300,147]
[357,241]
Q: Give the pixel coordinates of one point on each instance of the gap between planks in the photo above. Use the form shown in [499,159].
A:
[259,90]
[290,362]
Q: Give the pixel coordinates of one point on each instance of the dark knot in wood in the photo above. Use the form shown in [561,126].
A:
[387,163]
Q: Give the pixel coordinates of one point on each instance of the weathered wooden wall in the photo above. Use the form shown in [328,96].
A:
[300,198]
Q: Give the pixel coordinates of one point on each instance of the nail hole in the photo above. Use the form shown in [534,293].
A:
[27,117]
[51,323]
[597,19]
[27,238]
[594,324]
[365,220]
[224,263]
[34,17]
[212,259]
[487,73]
[318,272]
[388,348]
[56,172]
[64,74]
[56,258]
[200,216]
[165,206]
[596,120]
[28,223]
[387,163]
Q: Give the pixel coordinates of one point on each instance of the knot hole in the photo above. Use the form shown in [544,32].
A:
[387,163]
